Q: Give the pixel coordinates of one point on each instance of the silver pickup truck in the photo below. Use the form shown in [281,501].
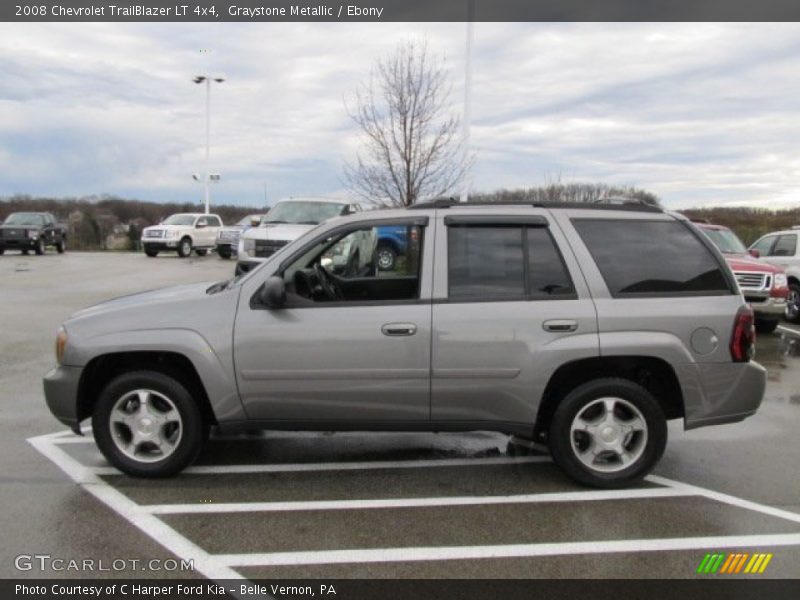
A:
[583,327]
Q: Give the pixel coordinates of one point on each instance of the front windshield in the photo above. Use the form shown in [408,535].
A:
[303,212]
[726,241]
[179,220]
[24,219]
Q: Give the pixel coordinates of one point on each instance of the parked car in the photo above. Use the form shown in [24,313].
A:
[182,232]
[228,237]
[585,328]
[765,286]
[781,248]
[32,231]
[285,222]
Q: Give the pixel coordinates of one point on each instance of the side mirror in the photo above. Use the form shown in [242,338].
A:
[273,292]
[755,253]
[200,225]
[255,222]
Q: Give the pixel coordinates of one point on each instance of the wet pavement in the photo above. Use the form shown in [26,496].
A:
[371,505]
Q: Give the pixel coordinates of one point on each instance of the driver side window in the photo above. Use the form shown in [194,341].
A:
[371,264]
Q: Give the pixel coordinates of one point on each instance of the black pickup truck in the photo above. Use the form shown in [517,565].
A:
[32,231]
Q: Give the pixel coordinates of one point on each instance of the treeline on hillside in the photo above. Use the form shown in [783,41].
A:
[110,222]
[749,223]
[568,192]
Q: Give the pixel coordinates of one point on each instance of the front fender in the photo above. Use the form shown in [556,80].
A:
[217,379]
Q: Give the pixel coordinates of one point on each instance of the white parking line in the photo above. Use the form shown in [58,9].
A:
[348,466]
[589,495]
[204,563]
[726,498]
[325,557]
[789,329]
[220,566]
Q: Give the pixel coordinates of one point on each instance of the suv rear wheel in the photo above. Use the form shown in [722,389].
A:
[608,433]
[147,424]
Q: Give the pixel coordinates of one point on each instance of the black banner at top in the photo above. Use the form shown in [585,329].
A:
[396,10]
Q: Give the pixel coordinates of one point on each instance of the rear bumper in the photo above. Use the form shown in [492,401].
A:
[721,393]
[61,394]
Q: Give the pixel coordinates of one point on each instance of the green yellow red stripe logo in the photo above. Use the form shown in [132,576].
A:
[734,563]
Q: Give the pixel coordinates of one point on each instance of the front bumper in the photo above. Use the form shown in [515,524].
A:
[61,394]
[767,306]
[717,393]
[18,244]
[156,244]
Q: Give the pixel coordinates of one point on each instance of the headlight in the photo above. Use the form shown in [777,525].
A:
[33,234]
[61,343]
[247,246]
[780,281]
[174,233]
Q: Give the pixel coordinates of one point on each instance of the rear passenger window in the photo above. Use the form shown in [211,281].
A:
[505,263]
[651,258]
[785,246]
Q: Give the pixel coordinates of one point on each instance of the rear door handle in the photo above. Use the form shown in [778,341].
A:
[396,329]
[560,325]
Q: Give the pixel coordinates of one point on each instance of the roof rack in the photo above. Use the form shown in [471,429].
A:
[607,204]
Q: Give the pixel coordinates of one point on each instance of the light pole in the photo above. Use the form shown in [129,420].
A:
[206,175]
[468,97]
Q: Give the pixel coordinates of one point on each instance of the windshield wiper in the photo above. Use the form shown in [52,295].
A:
[308,222]
[268,222]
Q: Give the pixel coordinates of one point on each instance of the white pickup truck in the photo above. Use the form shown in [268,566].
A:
[182,232]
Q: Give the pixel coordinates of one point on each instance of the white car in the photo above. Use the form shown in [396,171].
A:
[782,248]
[284,223]
[182,232]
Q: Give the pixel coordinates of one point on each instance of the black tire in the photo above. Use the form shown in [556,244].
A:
[185,247]
[2,251]
[202,252]
[40,247]
[194,428]
[793,304]
[25,252]
[151,253]
[387,257]
[561,439]
[61,245]
[224,252]
[766,326]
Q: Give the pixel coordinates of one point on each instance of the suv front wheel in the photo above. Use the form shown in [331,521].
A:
[185,247]
[147,424]
[608,433]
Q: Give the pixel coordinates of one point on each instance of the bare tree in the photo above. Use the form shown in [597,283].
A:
[412,146]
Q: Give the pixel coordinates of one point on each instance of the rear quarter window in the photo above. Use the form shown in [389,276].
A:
[652,258]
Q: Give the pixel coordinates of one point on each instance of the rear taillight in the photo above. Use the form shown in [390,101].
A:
[743,340]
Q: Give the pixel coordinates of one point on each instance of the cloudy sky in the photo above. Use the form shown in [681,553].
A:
[700,114]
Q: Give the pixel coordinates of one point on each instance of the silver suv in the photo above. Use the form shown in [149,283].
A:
[583,327]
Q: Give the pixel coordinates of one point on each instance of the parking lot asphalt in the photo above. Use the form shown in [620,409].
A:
[286,505]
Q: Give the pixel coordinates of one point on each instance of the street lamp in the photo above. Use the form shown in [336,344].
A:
[206,176]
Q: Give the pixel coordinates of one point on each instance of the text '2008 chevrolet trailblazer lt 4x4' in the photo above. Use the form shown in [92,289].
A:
[583,328]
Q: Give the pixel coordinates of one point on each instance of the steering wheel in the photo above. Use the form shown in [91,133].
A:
[330,289]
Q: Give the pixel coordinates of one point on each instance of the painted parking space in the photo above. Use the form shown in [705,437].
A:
[482,515]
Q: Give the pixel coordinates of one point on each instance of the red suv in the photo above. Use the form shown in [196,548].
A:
[764,286]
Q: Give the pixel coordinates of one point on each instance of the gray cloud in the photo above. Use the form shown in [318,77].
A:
[698,113]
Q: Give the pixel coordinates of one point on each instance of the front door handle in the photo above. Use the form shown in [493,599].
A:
[396,329]
[560,325]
